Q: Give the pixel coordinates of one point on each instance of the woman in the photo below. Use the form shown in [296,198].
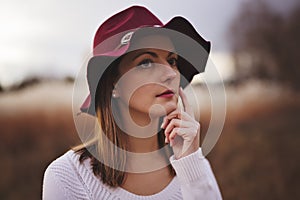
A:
[147,147]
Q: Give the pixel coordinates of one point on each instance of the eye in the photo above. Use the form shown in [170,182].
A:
[146,63]
[173,62]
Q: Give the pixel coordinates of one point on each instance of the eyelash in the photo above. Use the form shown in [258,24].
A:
[172,61]
[145,61]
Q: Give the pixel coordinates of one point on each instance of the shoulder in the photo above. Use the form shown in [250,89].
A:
[62,177]
[64,165]
[67,178]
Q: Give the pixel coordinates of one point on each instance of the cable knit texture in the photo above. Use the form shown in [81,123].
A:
[65,178]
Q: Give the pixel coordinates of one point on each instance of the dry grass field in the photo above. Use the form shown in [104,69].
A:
[256,156]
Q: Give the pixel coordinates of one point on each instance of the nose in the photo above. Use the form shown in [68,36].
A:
[168,73]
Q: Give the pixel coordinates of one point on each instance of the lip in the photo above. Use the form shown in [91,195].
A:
[166,94]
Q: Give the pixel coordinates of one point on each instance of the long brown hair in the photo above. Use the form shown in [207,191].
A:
[109,152]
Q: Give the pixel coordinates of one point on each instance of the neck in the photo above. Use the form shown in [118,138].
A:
[141,129]
[142,145]
[144,155]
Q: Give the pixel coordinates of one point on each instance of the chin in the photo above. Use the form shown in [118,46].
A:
[159,110]
[170,108]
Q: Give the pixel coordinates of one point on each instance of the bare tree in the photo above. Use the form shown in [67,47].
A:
[266,44]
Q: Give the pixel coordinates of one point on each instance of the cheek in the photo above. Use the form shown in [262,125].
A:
[138,97]
[127,86]
[125,91]
[143,95]
[131,83]
[177,79]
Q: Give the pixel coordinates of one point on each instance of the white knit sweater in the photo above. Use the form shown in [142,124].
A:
[65,178]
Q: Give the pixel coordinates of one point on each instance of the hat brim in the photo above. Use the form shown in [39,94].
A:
[191,48]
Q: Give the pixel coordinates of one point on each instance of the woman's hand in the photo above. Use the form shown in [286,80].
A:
[182,131]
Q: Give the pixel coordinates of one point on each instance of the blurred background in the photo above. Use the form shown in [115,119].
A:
[256,47]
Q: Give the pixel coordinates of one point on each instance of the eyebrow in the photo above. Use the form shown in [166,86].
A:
[150,53]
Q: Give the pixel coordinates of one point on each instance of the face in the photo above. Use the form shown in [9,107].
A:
[149,79]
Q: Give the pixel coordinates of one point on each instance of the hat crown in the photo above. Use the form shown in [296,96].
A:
[131,18]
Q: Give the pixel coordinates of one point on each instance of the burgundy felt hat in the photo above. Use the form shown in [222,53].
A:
[114,36]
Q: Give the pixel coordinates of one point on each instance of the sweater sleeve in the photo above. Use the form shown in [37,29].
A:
[196,177]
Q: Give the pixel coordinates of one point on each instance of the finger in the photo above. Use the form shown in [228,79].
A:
[172,137]
[187,133]
[187,107]
[183,132]
[180,132]
[164,123]
[174,114]
[163,126]
[177,123]
[180,115]
[166,138]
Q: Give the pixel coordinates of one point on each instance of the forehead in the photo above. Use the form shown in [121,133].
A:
[154,42]
[158,44]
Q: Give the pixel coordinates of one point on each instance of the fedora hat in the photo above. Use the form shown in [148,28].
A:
[115,36]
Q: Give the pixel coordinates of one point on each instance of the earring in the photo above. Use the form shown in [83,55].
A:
[114,94]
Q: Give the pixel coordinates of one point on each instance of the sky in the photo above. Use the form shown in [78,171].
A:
[52,38]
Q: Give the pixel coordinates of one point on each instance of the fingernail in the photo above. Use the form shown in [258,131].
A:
[162,125]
